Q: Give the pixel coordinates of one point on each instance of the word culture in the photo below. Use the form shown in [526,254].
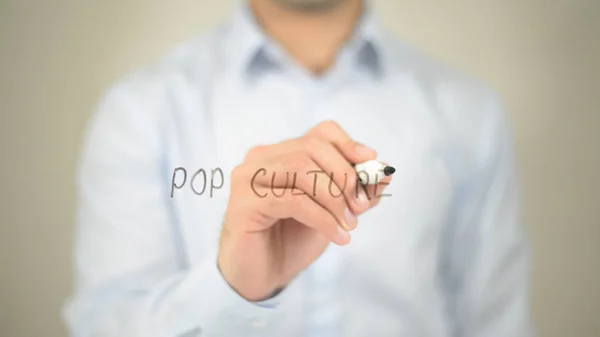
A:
[217,181]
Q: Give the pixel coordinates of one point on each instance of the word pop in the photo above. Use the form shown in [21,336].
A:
[215,173]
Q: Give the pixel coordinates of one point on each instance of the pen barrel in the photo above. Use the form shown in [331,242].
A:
[370,172]
[370,178]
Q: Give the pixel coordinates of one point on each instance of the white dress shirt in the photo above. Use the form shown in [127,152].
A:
[444,255]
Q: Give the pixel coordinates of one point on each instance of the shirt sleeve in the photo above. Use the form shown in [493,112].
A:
[488,260]
[130,278]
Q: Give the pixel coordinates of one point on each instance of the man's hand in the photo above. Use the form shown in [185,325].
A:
[275,227]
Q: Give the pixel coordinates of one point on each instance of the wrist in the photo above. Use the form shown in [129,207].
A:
[249,289]
[245,271]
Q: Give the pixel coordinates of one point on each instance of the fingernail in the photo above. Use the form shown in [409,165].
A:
[364,151]
[362,201]
[342,237]
[349,220]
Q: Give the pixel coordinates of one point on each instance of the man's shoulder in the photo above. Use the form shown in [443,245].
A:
[151,94]
[186,64]
[445,83]
[469,109]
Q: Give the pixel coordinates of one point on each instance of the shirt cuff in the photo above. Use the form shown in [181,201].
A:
[218,309]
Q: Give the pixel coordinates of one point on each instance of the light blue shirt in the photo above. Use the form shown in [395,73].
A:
[444,255]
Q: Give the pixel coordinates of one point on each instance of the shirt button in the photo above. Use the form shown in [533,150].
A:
[259,323]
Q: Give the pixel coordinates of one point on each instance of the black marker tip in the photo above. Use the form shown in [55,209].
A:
[388,170]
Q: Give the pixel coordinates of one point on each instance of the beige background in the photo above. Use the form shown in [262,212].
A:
[58,56]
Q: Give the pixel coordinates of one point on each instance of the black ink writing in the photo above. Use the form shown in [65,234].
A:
[264,171]
[194,183]
[173,185]
[341,189]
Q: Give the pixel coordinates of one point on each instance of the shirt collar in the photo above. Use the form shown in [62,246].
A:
[253,52]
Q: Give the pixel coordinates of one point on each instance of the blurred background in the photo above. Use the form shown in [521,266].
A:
[58,57]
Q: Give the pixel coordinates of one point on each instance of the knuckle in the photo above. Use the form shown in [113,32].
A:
[288,162]
[256,151]
[329,124]
[311,143]
[299,163]
[237,172]
[247,174]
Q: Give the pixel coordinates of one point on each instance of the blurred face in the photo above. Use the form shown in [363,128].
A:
[310,5]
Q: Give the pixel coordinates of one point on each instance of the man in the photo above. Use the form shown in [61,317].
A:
[299,86]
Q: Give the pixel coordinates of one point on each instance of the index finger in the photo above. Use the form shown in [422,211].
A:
[352,150]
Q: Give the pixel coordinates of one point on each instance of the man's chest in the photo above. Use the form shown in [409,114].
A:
[392,259]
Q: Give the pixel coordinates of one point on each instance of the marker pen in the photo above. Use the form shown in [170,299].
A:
[372,172]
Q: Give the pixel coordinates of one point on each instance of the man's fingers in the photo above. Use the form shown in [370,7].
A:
[353,151]
[326,155]
[304,210]
[263,153]
[320,165]
[328,131]
[376,192]
[300,175]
